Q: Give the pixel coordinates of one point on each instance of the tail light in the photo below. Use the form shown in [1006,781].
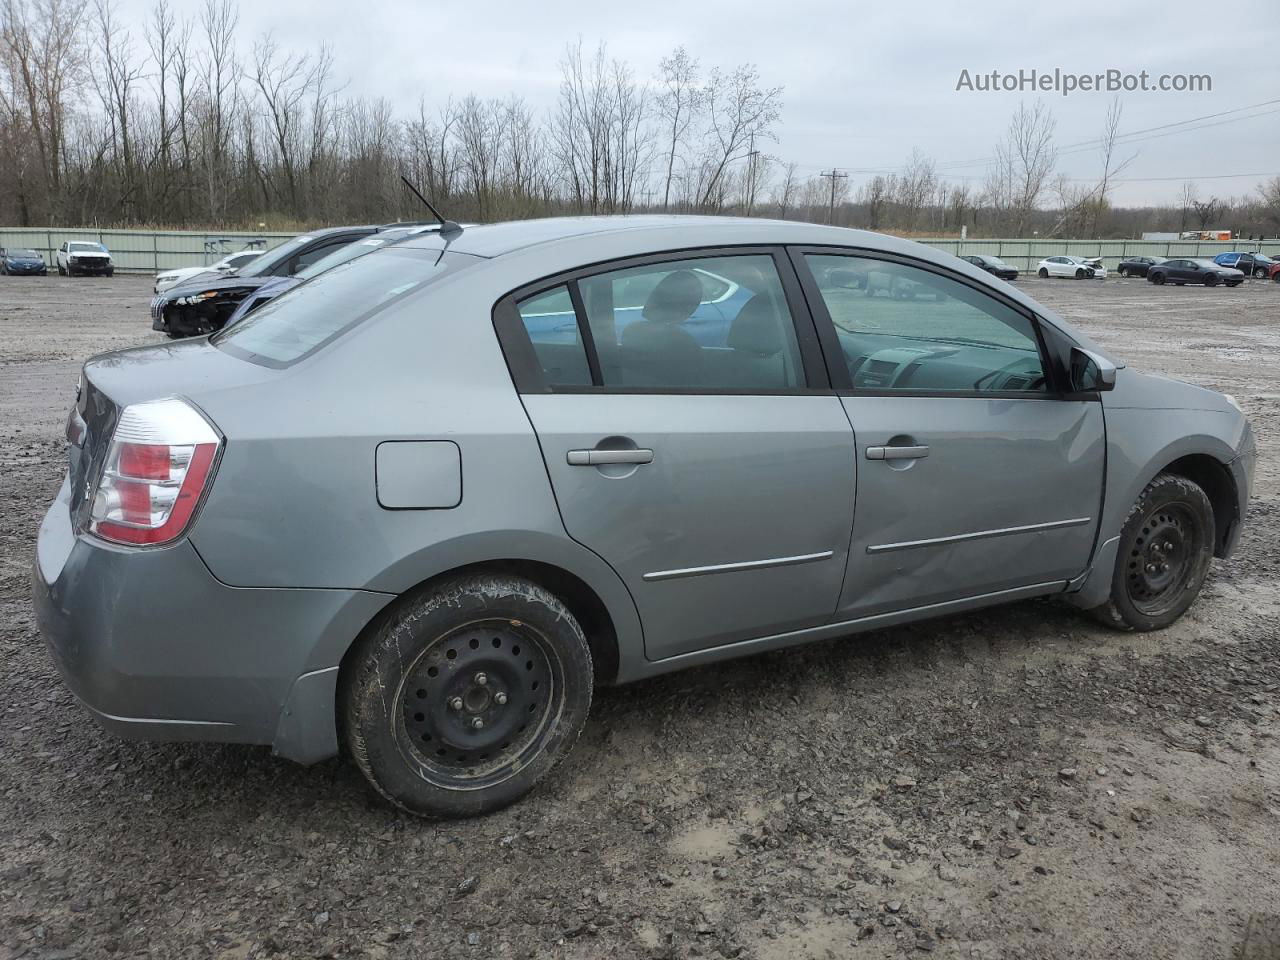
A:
[158,465]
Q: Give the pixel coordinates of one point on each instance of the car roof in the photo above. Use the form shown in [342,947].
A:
[549,246]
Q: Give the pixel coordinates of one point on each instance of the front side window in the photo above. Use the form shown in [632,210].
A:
[705,324]
[904,328]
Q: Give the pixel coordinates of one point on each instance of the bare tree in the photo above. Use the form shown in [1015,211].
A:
[786,192]
[1111,167]
[678,104]
[43,50]
[739,111]
[1269,192]
[1206,210]
[218,72]
[1024,160]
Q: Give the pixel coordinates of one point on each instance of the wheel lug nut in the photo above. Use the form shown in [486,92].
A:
[481,679]
[477,723]
[500,699]
[1151,568]
[455,703]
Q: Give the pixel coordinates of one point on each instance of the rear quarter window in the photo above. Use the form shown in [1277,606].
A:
[306,318]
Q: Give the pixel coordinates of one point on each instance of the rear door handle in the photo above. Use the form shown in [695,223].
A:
[897,453]
[594,458]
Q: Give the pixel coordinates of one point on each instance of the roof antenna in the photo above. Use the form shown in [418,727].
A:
[448,229]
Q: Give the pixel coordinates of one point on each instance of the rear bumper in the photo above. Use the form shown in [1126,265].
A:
[158,649]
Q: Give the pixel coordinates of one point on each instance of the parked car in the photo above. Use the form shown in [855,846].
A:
[278,285]
[1080,268]
[203,304]
[1204,271]
[382,509]
[84,257]
[1137,266]
[17,262]
[993,265]
[1255,265]
[227,266]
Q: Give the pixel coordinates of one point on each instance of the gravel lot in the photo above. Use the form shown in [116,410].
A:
[1012,783]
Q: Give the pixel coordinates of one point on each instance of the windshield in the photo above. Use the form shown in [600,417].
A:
[350,252]
[86,248]
[303,320]
[995,261]
[22,254]
[277,254]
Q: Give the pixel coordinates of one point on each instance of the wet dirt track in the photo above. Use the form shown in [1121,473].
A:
[1017,782]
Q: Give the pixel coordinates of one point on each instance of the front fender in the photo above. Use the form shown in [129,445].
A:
[1141,443]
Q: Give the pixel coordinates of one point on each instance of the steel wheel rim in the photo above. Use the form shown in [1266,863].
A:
[503,673]
[1162,559]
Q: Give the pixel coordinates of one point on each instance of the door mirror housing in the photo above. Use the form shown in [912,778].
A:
[1091,372]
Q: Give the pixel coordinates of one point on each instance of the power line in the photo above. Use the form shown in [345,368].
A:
[1135,136]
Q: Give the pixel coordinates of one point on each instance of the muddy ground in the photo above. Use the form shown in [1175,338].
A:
[1012,783]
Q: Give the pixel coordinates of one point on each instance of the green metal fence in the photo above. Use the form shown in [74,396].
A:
[146,251]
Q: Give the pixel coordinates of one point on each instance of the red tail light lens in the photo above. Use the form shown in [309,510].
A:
[157,468]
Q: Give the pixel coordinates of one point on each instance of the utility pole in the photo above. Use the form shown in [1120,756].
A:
[833,174]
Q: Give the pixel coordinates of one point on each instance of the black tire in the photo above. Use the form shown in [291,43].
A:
[1043,274]
[1123,272]
[61,271]
[111,271]
[1211,281]
[490,649]
[1166,546]
[1079,274]
[1260,273]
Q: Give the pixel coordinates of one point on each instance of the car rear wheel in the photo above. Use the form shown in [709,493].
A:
[467,696]
[1123,272]
[1166,546]
[61,271]
[1156,277]
[1043,274]
[1260,273]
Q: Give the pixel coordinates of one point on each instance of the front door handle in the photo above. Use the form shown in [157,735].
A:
[594,458]
[897,453]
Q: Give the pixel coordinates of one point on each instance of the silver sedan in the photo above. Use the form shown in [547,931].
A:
[423,503]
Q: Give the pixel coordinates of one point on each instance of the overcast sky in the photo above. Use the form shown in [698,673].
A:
[864,83]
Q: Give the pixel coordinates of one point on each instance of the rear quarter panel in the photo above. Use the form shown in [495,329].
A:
[294,503]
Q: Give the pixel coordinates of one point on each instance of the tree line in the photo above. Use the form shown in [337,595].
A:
[185,122]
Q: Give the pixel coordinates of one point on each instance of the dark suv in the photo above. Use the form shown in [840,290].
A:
[203,304]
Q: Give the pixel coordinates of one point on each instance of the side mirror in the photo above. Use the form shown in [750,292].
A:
[1091,372]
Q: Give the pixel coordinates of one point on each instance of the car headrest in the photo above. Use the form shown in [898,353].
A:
[674,299]
[756,328]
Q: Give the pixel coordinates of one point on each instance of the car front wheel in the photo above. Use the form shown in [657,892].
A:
[467,695]
[1165,549]
[1043,274]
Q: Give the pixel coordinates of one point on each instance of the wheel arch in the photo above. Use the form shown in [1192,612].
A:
[591,612]
[1214,478]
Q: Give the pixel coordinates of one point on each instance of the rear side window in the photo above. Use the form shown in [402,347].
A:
[304,319]
[719,323]
[552,325]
